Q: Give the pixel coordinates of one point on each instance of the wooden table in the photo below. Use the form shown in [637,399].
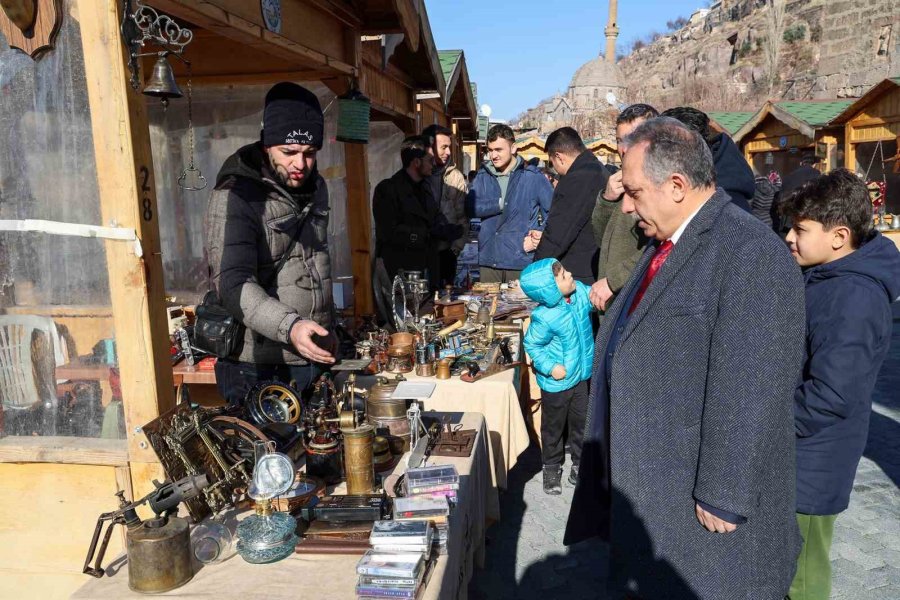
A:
[78,371]
[184,373]
[332,577]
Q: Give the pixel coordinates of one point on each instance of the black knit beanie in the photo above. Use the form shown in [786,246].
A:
[292,115]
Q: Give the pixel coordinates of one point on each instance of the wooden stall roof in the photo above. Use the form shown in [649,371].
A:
[806,117]
[460,98]
[597,144]
[316,38]
[391,16]
[730,122]
[870,97]
[420,61]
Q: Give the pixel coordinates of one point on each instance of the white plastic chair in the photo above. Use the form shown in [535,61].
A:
[26,379]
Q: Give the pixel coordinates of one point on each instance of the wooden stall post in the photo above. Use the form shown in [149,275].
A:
[359,227]
[128,199]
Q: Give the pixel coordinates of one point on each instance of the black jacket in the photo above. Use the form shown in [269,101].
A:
[250,222]
[408,221]
[849,324]
[733,174]
[568,236]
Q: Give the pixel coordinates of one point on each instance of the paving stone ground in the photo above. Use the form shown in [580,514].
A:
[526,558]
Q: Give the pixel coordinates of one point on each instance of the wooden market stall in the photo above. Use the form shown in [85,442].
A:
[729,122]
[604,150]
[872,133]
[781,133]
[533,146]
[80,253]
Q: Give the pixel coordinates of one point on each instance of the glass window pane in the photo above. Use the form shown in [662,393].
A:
[58,371]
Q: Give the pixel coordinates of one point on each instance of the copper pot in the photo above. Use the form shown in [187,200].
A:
[425,370]
[402,339]
[400,359]
[395,427]
[380,404]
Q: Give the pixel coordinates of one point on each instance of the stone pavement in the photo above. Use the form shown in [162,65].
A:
[526,558]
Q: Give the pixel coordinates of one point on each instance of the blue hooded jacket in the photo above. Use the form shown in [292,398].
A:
[849,322]
[503,231]
[560,332]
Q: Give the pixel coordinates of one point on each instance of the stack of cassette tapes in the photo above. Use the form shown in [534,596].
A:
[431,493]
[390,574]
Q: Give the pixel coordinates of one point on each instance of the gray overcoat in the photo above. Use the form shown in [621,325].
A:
[698,406]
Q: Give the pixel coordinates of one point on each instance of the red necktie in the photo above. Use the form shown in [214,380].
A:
[662,252]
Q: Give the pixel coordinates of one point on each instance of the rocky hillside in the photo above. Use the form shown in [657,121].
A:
[721,59]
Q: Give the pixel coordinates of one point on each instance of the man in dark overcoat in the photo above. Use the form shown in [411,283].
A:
[408,219]
[688,463]
[568,236]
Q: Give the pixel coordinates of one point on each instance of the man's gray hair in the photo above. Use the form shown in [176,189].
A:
[673,148]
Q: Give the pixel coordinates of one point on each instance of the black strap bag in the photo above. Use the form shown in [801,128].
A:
[216,330]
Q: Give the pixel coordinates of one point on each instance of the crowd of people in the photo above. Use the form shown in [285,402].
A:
[710,360]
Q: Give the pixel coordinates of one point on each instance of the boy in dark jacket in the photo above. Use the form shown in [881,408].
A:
[561,346]
[852,276]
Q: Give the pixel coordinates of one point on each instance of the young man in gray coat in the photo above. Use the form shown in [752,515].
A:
[264,192]
[689,436]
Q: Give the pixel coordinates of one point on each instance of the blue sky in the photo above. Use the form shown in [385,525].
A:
[519,52]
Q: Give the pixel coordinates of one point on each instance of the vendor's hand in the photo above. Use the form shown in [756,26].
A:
[528,244]
[558,372]
[614,188]
[302,339]
[713,523]
[601,294]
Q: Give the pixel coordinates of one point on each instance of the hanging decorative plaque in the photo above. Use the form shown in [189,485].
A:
[30,25]
[271,12]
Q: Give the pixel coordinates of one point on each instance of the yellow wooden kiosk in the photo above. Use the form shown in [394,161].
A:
[532,146]
[97,217]
[781,133]
[872,133]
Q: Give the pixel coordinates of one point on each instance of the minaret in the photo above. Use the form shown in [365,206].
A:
[612,32]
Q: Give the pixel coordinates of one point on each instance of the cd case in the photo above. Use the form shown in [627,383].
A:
[433,475]
[390,564]
[400,532]
[405,508]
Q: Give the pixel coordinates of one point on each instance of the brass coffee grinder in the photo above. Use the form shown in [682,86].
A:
[159,549]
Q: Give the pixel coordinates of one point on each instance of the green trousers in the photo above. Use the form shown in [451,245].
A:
[813,578]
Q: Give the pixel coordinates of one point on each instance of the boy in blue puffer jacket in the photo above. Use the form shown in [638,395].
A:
[560,343]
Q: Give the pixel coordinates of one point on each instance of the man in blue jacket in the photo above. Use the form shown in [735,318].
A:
[852,276]
[512,199]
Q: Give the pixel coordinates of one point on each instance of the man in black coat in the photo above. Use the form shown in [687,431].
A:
[733,174]
[568,236]
[792,182]
[408,220]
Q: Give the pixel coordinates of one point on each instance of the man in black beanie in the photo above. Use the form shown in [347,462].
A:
[267,243]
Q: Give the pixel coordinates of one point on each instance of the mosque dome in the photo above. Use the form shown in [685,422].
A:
[597,73]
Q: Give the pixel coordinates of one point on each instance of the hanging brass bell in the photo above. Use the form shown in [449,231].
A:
[162,82]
